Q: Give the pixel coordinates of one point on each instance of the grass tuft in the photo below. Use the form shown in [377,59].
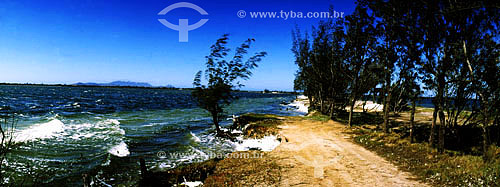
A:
[448,169]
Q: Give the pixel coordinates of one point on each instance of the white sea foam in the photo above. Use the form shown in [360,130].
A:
[113,121]
[40,131]
[108,161]
[101,129]
[195,138]
[55,128]
[300,106]
[192,184]
[120,150]
[164,165]
[236,131]
[268,143]
[301,97]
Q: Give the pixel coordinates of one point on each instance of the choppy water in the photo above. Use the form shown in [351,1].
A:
[65,132]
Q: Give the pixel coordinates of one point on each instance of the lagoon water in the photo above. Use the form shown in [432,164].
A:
[63,133]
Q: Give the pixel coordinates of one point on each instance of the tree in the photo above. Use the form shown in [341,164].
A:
[478,47]
[321,66]
[450,48]
[453,35]
[402,39]
[222,76]
[360,42]
[335,66]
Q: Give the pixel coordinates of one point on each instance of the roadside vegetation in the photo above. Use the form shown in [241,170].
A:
[451,168]
[392,52]
[457,166]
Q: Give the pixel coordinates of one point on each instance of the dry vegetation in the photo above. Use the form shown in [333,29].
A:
[451,168]
[246,172]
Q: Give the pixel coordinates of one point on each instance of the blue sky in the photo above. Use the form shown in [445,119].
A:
[71,41]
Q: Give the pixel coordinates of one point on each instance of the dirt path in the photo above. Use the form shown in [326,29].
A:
[321,154]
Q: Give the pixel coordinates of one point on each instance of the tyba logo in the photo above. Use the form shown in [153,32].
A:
[183,26]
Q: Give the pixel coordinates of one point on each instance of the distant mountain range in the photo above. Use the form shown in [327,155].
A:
[116,83]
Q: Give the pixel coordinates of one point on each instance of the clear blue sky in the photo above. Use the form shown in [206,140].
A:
[71,41]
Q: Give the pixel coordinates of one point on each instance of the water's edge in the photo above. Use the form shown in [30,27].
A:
[193,174]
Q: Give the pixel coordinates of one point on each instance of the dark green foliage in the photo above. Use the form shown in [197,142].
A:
[222,76]
[395,50]
[335,68]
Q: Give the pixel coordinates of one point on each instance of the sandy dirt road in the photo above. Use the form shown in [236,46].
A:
[322,154]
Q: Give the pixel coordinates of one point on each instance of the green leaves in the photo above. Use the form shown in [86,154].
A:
[223,75]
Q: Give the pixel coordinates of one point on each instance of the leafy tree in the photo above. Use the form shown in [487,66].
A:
[222,76]
[478,47]
[305,78]
[451,30]
[399,50]
[450,48]
[360,67]
[321,66]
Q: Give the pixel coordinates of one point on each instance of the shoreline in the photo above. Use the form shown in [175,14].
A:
[301,103]
[256,134]
[214,172]
[119,137]
[348,157]
[342,162]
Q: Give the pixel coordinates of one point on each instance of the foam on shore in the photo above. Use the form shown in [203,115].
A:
[40,131]
[267,143]
[300,104]
[194,137]
[120,150]
[301,97]
[192,184]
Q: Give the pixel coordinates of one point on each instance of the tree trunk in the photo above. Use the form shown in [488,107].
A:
[442,130]
[433,126]
[364,103]
[387,100]
[485,131]
[310,103]
[442,121]
[350,112]
[321,102]
[215,119]
[332,108]
[412,119]
[484,103]
[375,101]
[485,143]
